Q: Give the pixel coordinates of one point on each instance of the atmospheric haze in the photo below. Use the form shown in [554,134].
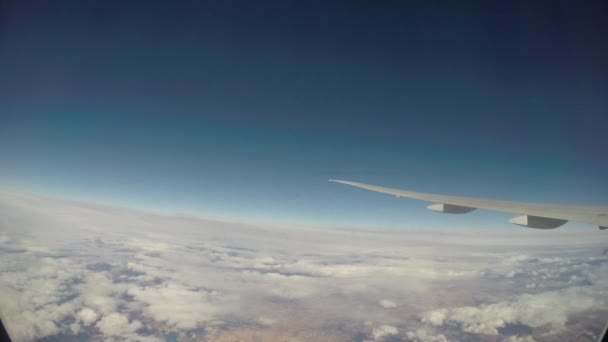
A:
[80,271]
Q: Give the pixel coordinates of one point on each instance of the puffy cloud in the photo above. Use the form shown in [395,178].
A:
[435,317]
[515,259]
[551,260]
[75,328]
[383,331]
[267,321]
[98,291]
[35,295]
[117,325]
[519,339]
[87,316]
[545,309]
[424,335]
[175,304]
[388,304]
[281,285]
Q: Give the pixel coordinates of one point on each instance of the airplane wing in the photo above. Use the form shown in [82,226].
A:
[533,215]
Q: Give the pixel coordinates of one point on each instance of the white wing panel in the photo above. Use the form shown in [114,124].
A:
[590,214]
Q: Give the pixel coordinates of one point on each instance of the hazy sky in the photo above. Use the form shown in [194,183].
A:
[234,109]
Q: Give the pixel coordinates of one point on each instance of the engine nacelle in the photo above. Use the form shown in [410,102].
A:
[537,222]
[449,208]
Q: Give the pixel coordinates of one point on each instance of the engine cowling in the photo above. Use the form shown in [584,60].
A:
[537,222]
[449,208]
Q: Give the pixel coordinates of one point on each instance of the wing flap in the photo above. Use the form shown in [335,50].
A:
[537,222]
[449,208]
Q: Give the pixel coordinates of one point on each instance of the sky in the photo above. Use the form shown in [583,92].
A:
[236,110]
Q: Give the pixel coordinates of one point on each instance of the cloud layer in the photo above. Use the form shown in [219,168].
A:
[105,273]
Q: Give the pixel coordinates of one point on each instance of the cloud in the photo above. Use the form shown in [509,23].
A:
[98,291]
[424,335]
[383,331]
[175,304]
[516,259]
[266,321]
[87,316]
[35,296]
[148,245]
[520,339]
[99,272]
[117,325]
[388,304]
[546,309]
[435,317]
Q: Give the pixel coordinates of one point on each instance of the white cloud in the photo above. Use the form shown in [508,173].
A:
[388,304]
[383,331]
[267,321]
[519,339]
[35,295]
[550,309]
[424,335]
[175,304]
[280,285]
[87,316]
[148,245]
[435,317]
[120,274]
[98,291]
[117,325]
[515,259]
[75,328]
[551,260]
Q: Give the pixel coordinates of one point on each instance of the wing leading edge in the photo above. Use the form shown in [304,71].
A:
[533,215]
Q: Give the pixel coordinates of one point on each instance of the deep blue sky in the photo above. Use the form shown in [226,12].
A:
[234,109]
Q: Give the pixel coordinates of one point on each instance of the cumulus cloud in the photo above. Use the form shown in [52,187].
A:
[35,295]
[266,321]
[547,309]
[117,325]
[435,317]
[175,304]
[424,335]
[388,304]
[87,316]
[520,339]
[516,259]
[383,331]
[98,291]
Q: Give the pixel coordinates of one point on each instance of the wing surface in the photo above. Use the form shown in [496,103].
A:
[534,215]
